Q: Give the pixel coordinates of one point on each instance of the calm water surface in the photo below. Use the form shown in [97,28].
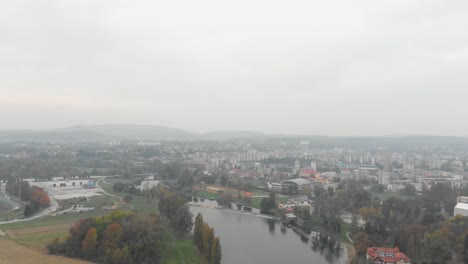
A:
[251,239]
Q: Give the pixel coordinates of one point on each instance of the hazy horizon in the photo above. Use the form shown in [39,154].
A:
[361,68]
[221,131]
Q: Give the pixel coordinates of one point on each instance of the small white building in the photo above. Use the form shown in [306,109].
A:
[461,209]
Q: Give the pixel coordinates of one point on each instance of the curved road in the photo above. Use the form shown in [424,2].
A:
[49,210]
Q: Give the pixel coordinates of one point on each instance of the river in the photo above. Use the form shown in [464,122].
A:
[253,239]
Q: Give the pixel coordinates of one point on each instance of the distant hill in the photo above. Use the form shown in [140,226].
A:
[119,132]
[100,133]
[123,131]
[225,135]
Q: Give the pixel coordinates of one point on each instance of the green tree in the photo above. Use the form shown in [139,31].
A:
[27,211]
[409,190]
[198,232]
[182,221]
[319,190]
[128,198]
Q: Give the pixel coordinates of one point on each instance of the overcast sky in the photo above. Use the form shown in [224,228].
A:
[309,67]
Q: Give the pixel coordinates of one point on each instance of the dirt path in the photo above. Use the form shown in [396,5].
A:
[14,253]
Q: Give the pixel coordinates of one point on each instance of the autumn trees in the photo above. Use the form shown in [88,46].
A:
[115,238]
[38,199]
[89,244]
[206,242]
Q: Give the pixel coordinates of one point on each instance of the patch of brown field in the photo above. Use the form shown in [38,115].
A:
[14,253]
[34,231]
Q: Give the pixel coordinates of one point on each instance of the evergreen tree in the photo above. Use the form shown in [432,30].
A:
[465,251]
[215,251]
[27,211]
[208,235]
[198,232]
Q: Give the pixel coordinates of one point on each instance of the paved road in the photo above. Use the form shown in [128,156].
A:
[51,209]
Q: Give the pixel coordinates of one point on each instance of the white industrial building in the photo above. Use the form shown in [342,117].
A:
[461,209]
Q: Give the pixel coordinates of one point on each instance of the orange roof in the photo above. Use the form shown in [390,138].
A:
[390,255]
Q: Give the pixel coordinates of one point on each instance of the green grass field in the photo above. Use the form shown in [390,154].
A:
[188,254]
[206,195]
[94,201]
[41,241]
[260,193]
[12,214]
[55,220]
[138,203]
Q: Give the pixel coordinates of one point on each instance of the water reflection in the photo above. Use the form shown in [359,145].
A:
[327,246]
[248,238]
[271,225]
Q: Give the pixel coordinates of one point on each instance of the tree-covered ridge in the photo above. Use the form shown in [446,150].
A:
[116,238]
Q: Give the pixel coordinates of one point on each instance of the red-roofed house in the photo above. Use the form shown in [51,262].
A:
[309,173]
[379,255]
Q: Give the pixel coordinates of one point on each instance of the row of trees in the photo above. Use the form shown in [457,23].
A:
[126,188]
[207,243]
[12,187]
[118,238]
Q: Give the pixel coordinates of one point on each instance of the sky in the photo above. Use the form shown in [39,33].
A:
[298,67]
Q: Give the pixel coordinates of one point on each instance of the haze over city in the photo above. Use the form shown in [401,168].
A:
[323,68]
